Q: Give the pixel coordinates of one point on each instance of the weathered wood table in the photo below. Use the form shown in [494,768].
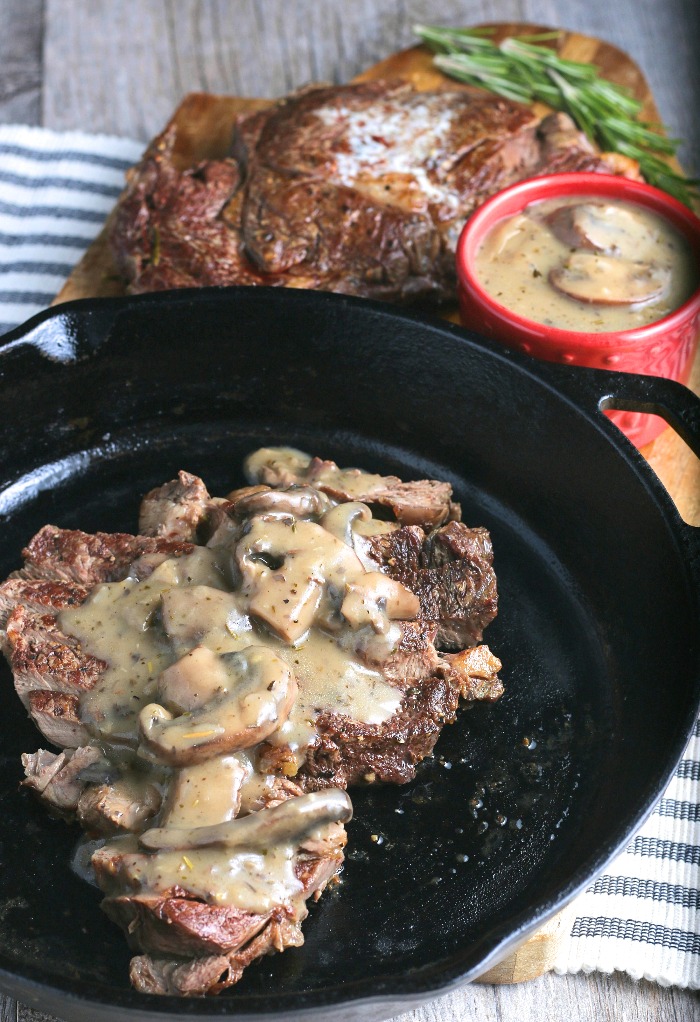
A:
[123,67]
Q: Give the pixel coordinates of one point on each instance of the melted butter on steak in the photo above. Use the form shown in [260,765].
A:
[393,151]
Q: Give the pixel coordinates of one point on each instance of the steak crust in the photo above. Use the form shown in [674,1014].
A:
[451,571]
[361,189]
[43,657]
[69,555]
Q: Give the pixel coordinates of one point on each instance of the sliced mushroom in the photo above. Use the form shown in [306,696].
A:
[285,565]
[608,280]
[206,793]
[511,234]
[245,491]
[192,612]
[340,520]
[192,681]
[375,598]
[288,566]
[277,466]
[599,227]
[220,703]
[285,824]
[300,501]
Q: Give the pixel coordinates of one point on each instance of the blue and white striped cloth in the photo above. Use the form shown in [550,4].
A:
[55,192]
[643,915]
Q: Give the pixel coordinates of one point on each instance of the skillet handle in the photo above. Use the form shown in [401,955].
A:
[677,404]
[600,389]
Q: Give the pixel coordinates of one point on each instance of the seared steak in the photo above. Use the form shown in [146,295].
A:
[43,657]
[175,510]
[419,502]
[74,556]
[429,586]
[361,189]
[350,752]
[451,571]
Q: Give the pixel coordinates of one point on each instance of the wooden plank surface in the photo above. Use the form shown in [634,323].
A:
[203,125]
[123,68]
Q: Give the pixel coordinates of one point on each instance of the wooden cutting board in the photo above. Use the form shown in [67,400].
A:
[204,124]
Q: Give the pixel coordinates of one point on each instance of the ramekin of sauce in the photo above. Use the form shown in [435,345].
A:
[590,269]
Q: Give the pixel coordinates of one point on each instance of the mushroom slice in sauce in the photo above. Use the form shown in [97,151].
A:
[220,703]
[601,227]
[287,567]
[206,793]
[375,598]
[195,613]
[288,823]
[609,280]
[300,501]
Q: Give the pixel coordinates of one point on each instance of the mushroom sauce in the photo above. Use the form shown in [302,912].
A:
[585,264]
[245,641]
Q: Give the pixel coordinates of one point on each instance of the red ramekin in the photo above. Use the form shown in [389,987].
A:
[663,348]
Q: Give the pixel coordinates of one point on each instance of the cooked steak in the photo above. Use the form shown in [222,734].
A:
[211,973]
[175,510]
[59,779]
[350,752]
[74,556]
[222,939]
[171,228]
[361,189]
[305,648]
[37,595]
[43,657]
[451,571]
[419,502]
[57,715]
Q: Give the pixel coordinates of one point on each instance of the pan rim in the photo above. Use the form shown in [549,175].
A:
[435,979]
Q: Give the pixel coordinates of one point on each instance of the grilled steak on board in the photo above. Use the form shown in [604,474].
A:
[188,943]
[361,189]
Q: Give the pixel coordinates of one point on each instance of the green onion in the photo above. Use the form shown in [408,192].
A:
[525,71]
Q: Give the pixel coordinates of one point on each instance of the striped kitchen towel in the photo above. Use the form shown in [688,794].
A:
[643,915]
[55,192]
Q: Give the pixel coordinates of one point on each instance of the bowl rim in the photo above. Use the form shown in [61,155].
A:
[516,197]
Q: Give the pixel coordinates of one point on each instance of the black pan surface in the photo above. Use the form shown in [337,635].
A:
[525,800]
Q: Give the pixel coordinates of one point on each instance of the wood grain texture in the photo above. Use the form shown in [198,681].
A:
[124,67]
[21,71]
[130,61]
[595,998]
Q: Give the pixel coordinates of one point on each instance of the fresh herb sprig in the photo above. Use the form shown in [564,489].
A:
[524,70]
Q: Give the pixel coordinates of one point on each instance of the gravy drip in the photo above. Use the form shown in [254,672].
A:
[248,640]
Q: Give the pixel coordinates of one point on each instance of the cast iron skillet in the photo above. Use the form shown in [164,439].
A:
[526,800]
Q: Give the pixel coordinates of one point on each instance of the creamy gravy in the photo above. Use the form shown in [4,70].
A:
[587,264]
[284,466]
[216,651]
[247,863]
[206,793]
